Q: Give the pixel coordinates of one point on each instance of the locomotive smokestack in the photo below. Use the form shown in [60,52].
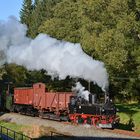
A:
[58,58]
[89,86]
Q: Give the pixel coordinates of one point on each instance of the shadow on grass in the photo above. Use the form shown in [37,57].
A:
[81,138]
[130,111]
[125,127]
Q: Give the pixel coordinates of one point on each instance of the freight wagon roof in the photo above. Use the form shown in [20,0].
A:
[23,88]
[59,92]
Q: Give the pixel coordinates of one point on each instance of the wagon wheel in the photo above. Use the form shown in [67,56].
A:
[41,114]
[12,108]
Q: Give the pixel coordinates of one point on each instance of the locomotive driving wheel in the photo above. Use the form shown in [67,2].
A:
[80,120]
[89,120]
[95,122]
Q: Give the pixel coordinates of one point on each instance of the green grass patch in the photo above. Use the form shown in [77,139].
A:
[129,117]
[12,127]
[32,131]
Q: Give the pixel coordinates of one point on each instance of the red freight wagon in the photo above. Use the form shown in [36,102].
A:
[35,100]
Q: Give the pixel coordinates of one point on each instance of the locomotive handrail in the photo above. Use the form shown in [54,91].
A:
[5,133]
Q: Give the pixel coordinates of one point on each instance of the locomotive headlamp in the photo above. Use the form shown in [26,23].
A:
[79,107]
[103,110]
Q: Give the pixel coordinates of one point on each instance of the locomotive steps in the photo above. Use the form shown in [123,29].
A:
[74,130]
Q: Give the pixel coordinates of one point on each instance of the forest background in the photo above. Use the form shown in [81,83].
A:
[108,30]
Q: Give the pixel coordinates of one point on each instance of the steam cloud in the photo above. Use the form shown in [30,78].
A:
[58,58]
[81,92]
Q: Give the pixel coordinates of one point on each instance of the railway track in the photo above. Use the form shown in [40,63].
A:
[116,131]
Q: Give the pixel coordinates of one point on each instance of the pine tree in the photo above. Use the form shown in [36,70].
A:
[26,12]
[65,22]
[42,11]
[36,19]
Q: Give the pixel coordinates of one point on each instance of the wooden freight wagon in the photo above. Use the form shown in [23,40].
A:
[36,100]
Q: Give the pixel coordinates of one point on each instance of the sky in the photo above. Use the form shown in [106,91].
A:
[10,8]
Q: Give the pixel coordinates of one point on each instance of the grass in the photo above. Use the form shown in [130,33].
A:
[33,131]
[129,117]
[12,127]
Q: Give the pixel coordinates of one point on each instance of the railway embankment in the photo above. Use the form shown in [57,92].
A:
[63,128]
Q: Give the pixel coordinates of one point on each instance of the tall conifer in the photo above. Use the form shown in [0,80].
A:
[26,12]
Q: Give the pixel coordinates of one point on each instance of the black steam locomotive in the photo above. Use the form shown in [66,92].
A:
[91,112]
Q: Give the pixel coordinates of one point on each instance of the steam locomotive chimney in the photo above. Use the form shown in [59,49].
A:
[89,86]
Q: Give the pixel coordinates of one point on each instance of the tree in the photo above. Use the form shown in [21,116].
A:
[15,74]
[42,11]
[26,12]
[108,31]
[36,19]
[110,34]
[65,22]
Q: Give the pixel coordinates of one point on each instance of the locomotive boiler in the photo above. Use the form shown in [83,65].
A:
[64,106]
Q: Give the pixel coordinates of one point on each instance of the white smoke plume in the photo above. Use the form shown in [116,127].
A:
[81,92]
[58,58]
